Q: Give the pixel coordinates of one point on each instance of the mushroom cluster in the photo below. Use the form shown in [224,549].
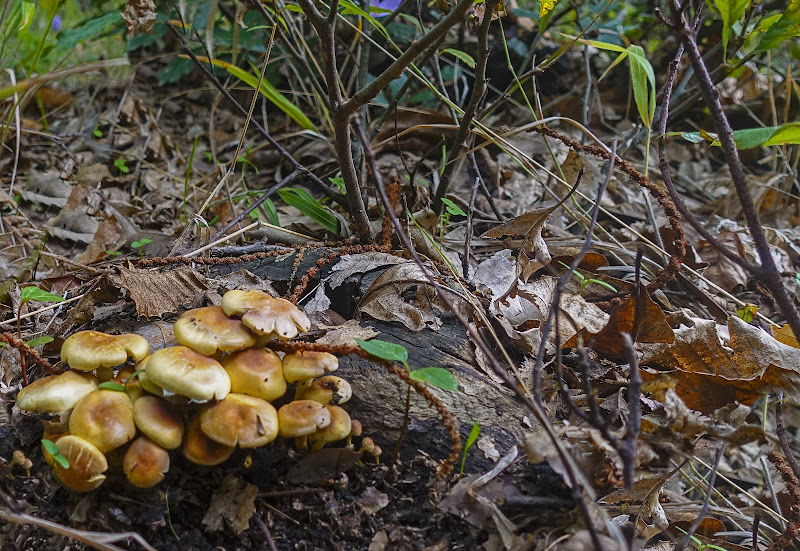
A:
[211,393]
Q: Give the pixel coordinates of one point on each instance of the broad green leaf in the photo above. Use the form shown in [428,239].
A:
[786,134]
[61,460]
[452,208]
[28,8]
[463,56]
[34,293]
[308,205]
[272,212]
[749,137]
[268,90]
[293,7]
[731,11]
[786,27]
[644,83]
[68,38]
[39,341]
[49,446]
[435,376]
[384,350]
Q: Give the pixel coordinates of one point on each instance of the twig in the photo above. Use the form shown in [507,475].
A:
[767,273]
[780,431]
[478,90]
[706,503]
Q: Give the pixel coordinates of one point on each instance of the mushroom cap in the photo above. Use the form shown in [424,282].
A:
[159,421]
[202,450]
[242,420]
[257,372]
[206,330]
[181,370]
[308,365]
[104,418]
[89,350]
[329,389]
[56,393]
[86,464]
[132,386]
[302,417]
[339,429]
[145,463]
[266,315]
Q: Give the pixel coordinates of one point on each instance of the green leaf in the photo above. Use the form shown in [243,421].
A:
[435,376]
[731,11]
[385,350]
[293,7]
[452,208]
[61,460]
[34,293]
[463,56]
[473,436]
[349,8]
[39,341]
[308,205]
[50,446]
[786,134]
[268,90]
[644,83]
[272,212]
[112,385]
[28,8]
[68,38]
[786,27]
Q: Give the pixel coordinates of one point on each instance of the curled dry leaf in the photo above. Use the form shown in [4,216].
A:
[709,374]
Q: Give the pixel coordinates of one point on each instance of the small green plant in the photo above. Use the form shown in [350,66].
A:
[338,181]
[121,165]
[450,209]
[140,244]
[471,439]
[51,448]
[113,253]
[587,280]
[97,133]
[120,387]
[311,207]
[27,294]
[700,545]
[747,312]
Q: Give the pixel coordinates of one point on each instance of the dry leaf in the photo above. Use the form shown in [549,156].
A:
[533,253]
[156,294]
[234,501]
[140,16]
[710,375]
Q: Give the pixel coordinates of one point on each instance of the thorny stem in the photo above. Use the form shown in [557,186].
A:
[767,272]
[581,492]
[478,90]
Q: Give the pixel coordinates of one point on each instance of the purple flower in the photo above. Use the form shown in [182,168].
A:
[55,25]
[389,5]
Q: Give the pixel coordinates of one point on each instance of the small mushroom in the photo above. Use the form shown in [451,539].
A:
[298,366]
[86,464]
[338,429]
[159,421]
[301,418]
[181,370]
[266,315]
[133,387]
[145,463]
[202,450]
[56,393]
[257,372]
[90,350]
[208,330]
[104,418]
[242,420]
[329,389]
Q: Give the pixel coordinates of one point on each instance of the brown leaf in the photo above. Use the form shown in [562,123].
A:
[710,375]
[318,466]
[533,253]
[156,294]
[233,501]
[649,324]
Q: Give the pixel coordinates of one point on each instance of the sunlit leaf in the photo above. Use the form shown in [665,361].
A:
[731,11]
[435,376]
[788,26]
[384,350]
[463,56]
[34,293]
[39,341]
